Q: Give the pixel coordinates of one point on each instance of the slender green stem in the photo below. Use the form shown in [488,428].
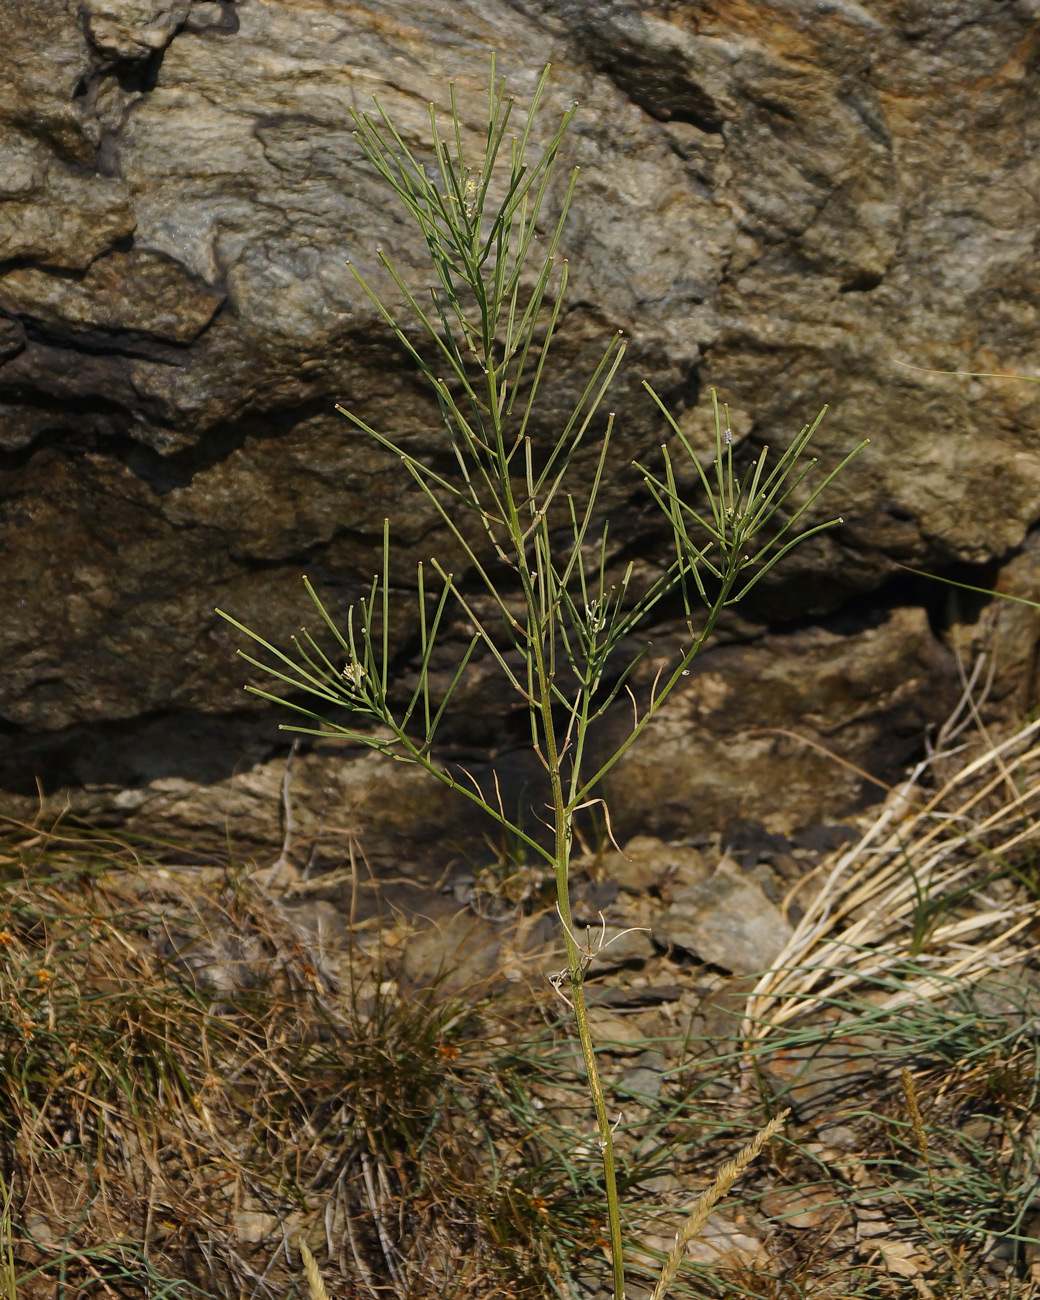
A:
[563,828]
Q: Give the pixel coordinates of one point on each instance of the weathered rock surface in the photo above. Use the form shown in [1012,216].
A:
[648,863]
[793,202]
[725,920]
[785,726]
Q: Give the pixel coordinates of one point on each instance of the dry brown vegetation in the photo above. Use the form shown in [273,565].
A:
[192,1086]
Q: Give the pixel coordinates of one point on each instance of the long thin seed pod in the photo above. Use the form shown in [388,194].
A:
[700,1211]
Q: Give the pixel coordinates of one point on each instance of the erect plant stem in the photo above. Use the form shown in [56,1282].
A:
[562,827]
[606,1134]
[920,1133]
[562,818]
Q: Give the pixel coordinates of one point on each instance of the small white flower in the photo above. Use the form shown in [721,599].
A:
[354,673]
[595,616]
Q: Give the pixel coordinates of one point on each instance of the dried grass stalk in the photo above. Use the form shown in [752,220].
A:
[700,1211]
[917,1121]
[923,846]
[315,1285]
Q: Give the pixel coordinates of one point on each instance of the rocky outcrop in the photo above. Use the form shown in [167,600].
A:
[794,203]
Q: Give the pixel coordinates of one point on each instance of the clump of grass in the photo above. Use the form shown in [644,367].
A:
[192,1101]
[186,1090]
[914,887]
[892,967]
[975,1067]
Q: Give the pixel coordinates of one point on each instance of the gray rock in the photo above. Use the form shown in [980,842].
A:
[731,739]
[460,953]
[12,338]
[121,293]
[646,862]
[727,921]
[645,1079]
[787,210]
[616,946]
[814,1080]
[639,1083]
[134,29]
[319,920]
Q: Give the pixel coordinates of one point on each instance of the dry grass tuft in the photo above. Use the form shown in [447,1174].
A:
[914,888]
[186,1088]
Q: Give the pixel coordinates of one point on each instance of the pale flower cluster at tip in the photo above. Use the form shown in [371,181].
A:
[354,674]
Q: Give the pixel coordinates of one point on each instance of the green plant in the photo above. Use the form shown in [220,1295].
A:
[553,613]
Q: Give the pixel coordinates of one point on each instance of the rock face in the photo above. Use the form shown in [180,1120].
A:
[796,203]
[727,921]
